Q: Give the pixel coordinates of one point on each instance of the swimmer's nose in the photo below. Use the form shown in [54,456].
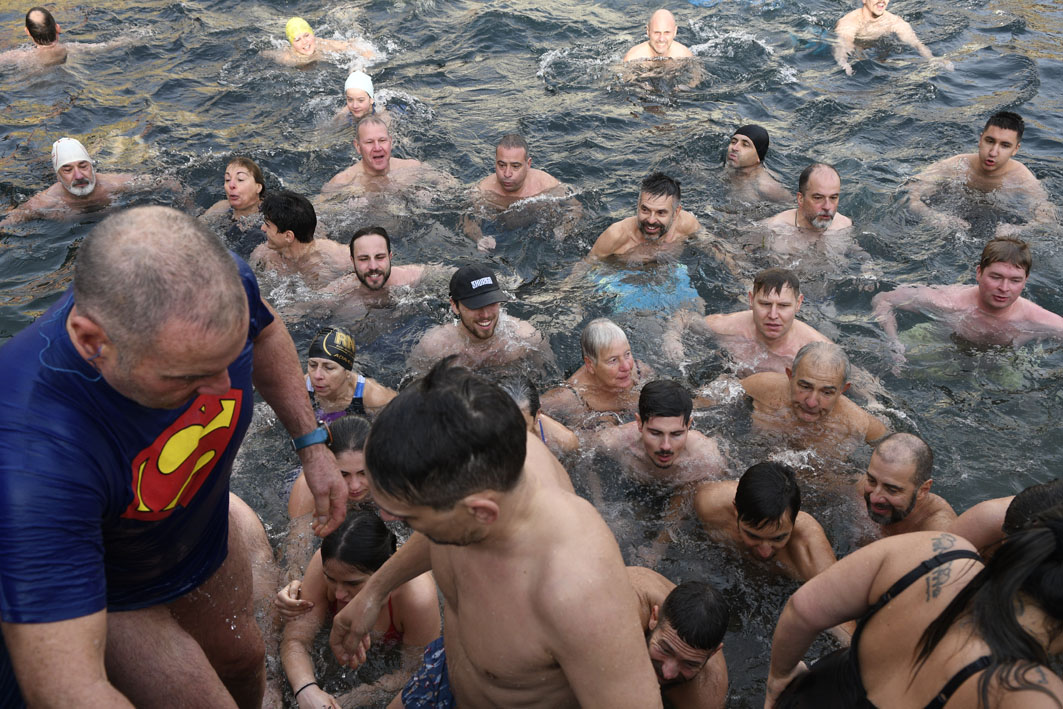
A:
[217,384]
[670,669]
[763,550]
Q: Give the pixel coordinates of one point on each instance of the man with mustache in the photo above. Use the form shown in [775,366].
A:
[818,190]
[896,487]
[660,223]
[484,334]
[79,188]
[870,22]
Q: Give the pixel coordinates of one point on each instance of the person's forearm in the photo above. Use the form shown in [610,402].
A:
[298,667]
[791,641]
[410,561]
[841,55]
[279,379]
[882,310]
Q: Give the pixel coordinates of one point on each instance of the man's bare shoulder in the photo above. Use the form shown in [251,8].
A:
[712,502]
[688,223]
[848,24]
[490,184]
[542,181]
[678,50]
[840,222]
[805,333]
[343,177]
[612,238]
[765,386]
[1036,315]
[735,324]
[785,218]
[613,438]
[639,51]
[398,164]
[941,515]
[956,166]
[706,691]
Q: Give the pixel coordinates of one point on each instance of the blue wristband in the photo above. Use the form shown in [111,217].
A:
[318,435]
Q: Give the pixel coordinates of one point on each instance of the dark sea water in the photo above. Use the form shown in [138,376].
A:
[192,86]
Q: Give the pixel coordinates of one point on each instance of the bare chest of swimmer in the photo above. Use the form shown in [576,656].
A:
[493,637]
[833,438]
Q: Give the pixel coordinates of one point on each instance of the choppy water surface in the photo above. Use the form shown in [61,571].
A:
[192,87]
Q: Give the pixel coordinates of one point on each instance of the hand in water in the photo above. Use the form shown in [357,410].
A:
[313,697]
[349,638]
[776,685]
[288,603]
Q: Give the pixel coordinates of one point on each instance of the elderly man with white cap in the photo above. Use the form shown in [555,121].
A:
[79,188]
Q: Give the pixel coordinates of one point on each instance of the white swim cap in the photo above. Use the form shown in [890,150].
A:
[361,81]
[66,151]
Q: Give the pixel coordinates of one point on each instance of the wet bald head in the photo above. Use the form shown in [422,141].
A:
[908,450]
[146,267]
[663,19]
[827,353]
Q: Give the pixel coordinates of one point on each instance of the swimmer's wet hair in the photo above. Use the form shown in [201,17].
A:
[1007,249]
[597,335]
[362,541]
[1031,503]
[512,140]
[802,181]
[1028,562]
[366,231]
[371,120]
[829,350]
[143,268]
[773,280]
[1006,120]
[447,435]
[44,31]
[659,184]
[765,492]
[698,613]
[908,448]
[290,211]
[348,433]
[252,167]
[664,397]
[523,392]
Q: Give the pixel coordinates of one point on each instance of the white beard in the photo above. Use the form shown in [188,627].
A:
[84,190]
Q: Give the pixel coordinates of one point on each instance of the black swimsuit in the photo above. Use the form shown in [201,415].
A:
[834,680]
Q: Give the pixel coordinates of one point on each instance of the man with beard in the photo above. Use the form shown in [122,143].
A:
[659,224]
[870,22]
[79,188]
[658,446]
[371,255]
[538,608]
[684,628]
[483,335]
[818,190]
[896,487]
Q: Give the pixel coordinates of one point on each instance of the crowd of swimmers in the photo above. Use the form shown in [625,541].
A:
[538,606]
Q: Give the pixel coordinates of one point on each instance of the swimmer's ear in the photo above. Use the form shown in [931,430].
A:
[924,489]
[846,387]
[654,610]
[454,307]
[789,373]
[484,509]
[87,336]
[716,650]
[638,421]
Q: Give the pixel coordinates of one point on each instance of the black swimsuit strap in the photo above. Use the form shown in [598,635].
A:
[957,679]
[918,572]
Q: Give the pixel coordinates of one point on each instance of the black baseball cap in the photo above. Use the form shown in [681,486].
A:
[475,286]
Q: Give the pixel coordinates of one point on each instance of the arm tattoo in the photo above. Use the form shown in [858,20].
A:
[936,580]
[942,543]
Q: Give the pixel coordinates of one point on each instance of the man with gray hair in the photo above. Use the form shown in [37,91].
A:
[896,487]
[807,404]
[125,405]
[78,188]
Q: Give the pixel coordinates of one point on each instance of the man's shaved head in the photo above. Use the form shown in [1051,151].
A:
[908,449]
[826,352]
[662,16]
